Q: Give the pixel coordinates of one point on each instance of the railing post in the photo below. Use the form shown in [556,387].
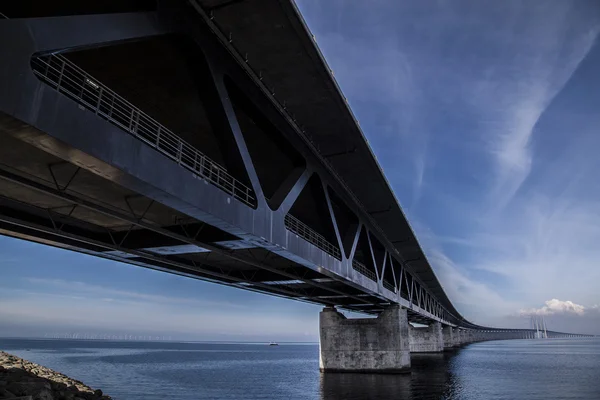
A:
[201,164]
[47,64]
[131,119]
[100,93]
[84,80]
[60,75]
[137,122]
[112,106]
[158,138]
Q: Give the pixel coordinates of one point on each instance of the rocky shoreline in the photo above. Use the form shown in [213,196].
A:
[24,380]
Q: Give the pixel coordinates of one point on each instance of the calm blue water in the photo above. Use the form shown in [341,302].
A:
[514,369]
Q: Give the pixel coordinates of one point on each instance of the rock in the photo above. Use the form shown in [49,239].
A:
[66,396]
[44,394]
[37,390]
[34,382]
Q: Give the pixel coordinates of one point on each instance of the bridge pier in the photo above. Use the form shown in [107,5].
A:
[448,335]
[426,340]
[371,345]
[466,339]
[459,337]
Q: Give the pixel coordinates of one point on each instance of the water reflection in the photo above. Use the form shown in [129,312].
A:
[430,379]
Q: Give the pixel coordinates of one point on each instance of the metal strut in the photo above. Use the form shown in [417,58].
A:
[123,217]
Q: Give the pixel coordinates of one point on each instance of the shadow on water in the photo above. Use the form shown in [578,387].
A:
[429,379]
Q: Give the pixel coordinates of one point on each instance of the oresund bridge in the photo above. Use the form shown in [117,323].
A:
[208,138]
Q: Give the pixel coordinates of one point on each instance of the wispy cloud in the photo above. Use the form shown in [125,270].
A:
[60,286]
[513,97]
[479,302]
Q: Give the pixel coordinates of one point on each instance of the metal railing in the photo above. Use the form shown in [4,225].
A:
[67,78]
[293,224]
[389,286]
[362,269]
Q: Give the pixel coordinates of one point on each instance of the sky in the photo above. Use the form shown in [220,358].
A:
[484,117]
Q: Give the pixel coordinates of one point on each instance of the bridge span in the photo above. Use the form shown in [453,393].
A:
[208,138]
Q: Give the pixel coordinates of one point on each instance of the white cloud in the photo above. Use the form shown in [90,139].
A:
[555,306]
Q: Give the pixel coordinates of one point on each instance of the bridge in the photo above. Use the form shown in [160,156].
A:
[208,138]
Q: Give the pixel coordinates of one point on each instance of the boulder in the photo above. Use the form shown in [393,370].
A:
[37,390]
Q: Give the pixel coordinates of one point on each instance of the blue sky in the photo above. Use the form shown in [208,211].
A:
[484,117]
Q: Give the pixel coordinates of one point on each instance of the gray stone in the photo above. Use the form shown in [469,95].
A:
[37,390]
[36,382]
[66,395]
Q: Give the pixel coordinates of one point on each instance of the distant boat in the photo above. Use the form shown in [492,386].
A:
[273,344]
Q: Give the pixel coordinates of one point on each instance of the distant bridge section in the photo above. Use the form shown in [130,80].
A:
[207,138]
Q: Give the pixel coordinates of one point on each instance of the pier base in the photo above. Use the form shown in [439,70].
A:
[426,340]
[448,337]
[369,345]
[460,337]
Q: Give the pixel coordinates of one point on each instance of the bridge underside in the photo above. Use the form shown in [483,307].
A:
[203,138]
[49,200]
[141,139]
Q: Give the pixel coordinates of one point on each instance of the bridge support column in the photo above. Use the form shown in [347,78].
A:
[426,340]
[471,336]
[373,345]
[448,336]
[464,337]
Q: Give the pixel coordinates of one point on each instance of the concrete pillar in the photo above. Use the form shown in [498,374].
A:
[465,337]
[448,336]
[374,345]
[457,337]
[426,340]
[462,337]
